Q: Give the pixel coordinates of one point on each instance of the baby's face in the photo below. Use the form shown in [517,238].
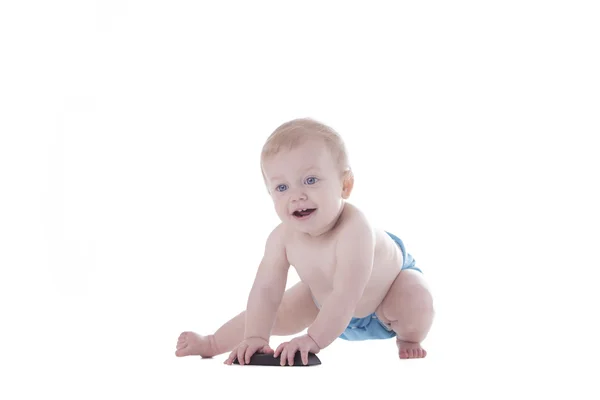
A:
[306,186]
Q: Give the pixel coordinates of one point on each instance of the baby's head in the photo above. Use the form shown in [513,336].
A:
[305,166]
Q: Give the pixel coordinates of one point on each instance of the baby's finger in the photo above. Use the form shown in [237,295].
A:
[240,353]
[279,349]
[249,353]
[283,356]
[304,355]
[267,350]
[230,358]
[291,354]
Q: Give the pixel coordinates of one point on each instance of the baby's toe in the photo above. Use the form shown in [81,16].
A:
[183,351]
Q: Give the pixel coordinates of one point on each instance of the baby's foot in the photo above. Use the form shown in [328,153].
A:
[192,344]
[410,349]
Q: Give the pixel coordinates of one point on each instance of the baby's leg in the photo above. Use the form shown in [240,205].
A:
[296,312]
[408,307]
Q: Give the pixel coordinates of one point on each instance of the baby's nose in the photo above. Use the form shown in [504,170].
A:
[298,195]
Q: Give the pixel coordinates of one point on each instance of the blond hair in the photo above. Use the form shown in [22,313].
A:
[296,132]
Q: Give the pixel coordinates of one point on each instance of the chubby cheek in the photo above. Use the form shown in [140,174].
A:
[331,208]
[280,208]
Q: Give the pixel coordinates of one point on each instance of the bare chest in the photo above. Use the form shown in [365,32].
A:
[314,262]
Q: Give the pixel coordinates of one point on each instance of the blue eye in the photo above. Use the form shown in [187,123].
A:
[311,180]
[281,188]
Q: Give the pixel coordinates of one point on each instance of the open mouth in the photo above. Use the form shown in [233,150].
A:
[303,213]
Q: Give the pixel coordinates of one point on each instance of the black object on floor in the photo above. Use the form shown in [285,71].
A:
[269,360]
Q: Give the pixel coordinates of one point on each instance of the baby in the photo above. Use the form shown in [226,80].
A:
[357,282]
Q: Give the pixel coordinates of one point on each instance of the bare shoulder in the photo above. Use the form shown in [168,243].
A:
[273,267]
[355,227]
[275,247]
[355,218]
[355,250]
[277,235]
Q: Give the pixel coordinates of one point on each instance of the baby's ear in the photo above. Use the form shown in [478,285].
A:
[347,183]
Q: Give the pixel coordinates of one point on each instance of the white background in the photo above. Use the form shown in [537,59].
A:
[133,208]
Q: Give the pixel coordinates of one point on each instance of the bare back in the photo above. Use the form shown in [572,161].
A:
[315,262]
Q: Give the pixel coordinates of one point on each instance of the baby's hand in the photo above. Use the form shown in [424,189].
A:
[247,348]
[304,344]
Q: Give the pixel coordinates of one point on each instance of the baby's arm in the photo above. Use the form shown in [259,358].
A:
[354,254]
[268,288]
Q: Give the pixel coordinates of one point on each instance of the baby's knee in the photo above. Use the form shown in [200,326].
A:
[417,298]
